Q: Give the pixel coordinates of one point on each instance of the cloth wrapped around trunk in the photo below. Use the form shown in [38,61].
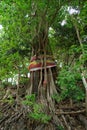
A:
[36,64]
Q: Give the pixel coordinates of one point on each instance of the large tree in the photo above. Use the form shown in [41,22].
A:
[26,24]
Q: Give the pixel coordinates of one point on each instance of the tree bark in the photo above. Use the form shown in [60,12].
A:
[85,85]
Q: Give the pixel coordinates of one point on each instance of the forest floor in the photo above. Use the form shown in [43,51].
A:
[13,116]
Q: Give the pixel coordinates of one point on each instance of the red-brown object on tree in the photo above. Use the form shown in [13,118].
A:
[36,64]
[45,83]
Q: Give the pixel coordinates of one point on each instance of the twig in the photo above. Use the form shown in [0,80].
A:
[16,117]
[3,120]
[68,127]
[72,112]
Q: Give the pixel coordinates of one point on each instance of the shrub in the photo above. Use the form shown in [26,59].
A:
[36,108]
[67,80]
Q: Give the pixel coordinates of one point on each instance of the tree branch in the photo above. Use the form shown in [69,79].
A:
[54,16]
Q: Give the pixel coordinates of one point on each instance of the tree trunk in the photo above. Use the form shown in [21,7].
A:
[42,79]
[85,85]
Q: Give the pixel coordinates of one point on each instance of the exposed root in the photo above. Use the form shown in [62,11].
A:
[59,112]
[29,90]
[83,120]
[40,127]
[66,124]
[17,120]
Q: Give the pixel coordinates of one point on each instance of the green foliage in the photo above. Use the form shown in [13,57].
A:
[5,84]
[57,97]
[37,109]
[29,100]
[60,127]
[23,80]
[68,80]
[23,21]
[10,100]
[42,117]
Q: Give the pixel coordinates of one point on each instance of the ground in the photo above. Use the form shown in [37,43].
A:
[13,116]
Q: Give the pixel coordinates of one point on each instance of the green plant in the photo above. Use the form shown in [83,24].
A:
[29,100]
[9,100]
[37,109]
[60,127]
[67,80]
[56,97]
[42,117]
[38,114]
[23,80]
[5,84]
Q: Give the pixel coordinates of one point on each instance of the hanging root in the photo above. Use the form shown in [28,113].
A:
[39,86]
[29,90]
[52,84]
[51,89]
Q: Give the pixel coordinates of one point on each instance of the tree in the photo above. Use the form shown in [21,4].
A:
[76,22]
[27,25]
[32,27]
